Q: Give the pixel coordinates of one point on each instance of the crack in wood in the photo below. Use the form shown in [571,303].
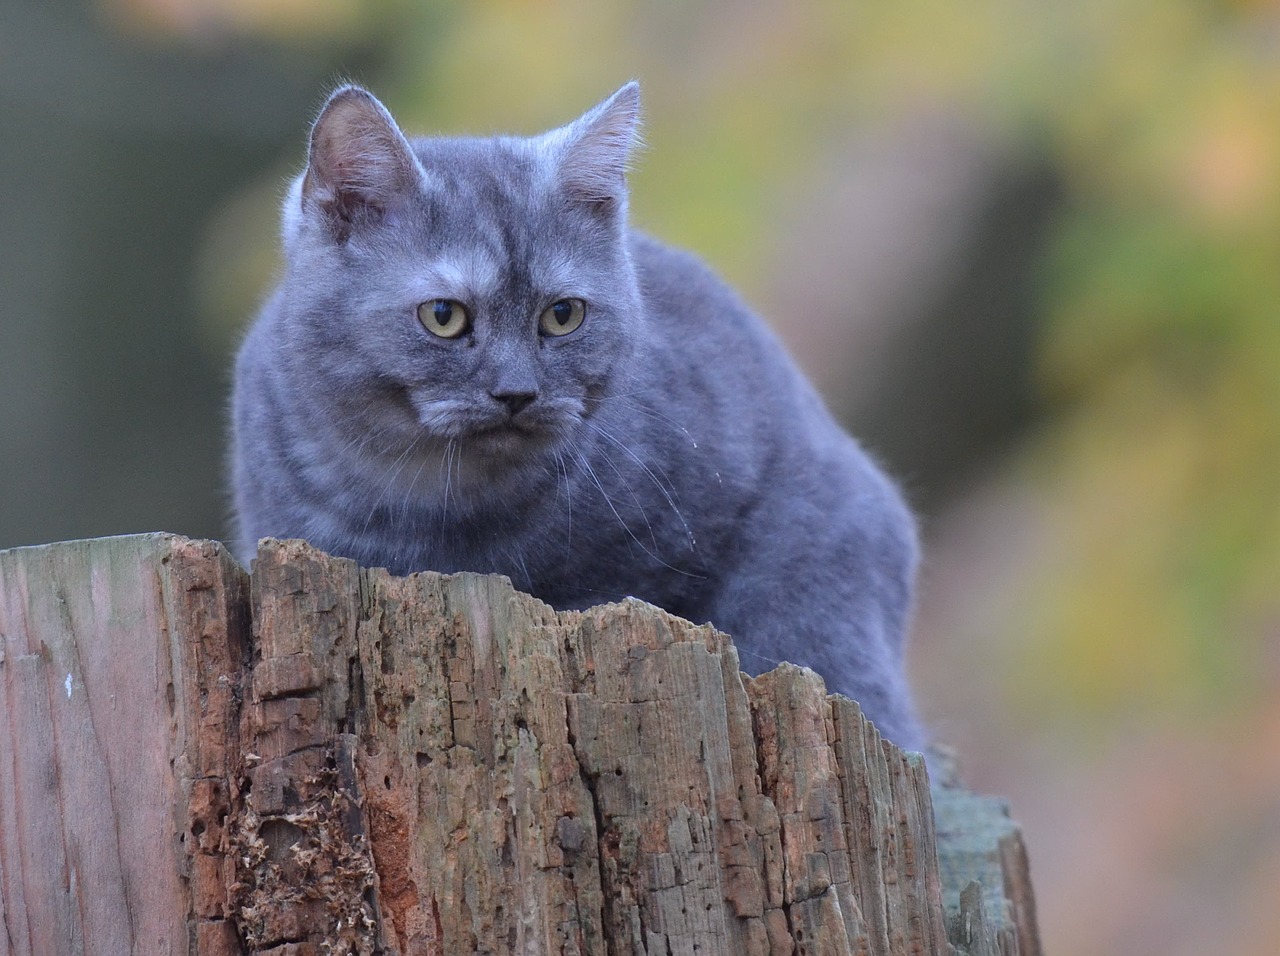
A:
[438,764]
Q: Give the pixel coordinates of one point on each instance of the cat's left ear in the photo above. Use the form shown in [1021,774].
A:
[594,151]
[358,163]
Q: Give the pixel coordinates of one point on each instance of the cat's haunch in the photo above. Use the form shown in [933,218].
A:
[471,362]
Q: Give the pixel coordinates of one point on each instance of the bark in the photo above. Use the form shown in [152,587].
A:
[325,759]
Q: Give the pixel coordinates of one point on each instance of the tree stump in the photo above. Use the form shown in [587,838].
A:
[323,759]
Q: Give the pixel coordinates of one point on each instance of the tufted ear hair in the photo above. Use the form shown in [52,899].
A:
[594,150]
[358,164]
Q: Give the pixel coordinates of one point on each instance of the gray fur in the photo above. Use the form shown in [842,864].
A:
[672,452]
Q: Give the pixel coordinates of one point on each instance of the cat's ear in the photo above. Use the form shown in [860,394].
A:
[358,164]
[594,151]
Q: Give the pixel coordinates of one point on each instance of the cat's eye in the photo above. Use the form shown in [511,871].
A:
[561,318]
[446,318]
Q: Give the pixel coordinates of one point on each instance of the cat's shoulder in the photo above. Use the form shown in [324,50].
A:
[654,258]
[672,276]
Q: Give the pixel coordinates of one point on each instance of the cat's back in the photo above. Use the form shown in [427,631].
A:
[683,294]
[758,430]
[702,336]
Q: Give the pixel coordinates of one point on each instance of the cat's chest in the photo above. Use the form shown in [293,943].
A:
[572,547]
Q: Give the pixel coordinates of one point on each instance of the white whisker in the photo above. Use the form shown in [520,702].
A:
[449,452]
[568,495]
[607,500]
[641,407]
[399,465]
[666,493]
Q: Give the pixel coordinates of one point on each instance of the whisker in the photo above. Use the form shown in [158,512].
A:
[607,500]
[568,495]
[399,467]
[599,429]
[524,568]
[771,661]
[357,478]
[449,451]
[650,411]
[631,491]
[358,443]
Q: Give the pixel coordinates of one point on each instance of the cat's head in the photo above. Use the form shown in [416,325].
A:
[469,295]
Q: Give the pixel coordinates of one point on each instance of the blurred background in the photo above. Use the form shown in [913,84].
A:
[1029,251]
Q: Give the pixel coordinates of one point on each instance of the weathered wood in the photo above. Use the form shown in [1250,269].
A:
[119,662]
[983,864]
[333,760]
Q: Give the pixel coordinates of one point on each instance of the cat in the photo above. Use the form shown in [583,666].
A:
[472,362]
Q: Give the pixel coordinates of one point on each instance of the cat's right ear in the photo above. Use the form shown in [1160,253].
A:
[594,150]
[358,164]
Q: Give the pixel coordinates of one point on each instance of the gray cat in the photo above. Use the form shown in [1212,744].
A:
[472,363]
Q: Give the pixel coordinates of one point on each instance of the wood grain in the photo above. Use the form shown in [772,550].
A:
[102,738]
[326,759]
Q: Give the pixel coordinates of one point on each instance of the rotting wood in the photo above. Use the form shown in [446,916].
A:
[325,759]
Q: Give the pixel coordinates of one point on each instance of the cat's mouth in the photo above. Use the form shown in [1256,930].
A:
[505,434]
[485,430]
[513,430]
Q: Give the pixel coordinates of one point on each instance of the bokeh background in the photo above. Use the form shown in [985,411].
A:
[1030,251]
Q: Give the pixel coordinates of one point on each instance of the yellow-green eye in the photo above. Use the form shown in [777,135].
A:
[444,317]
[563,317]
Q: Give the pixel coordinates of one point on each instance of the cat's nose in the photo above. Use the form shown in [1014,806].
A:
[513,399]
